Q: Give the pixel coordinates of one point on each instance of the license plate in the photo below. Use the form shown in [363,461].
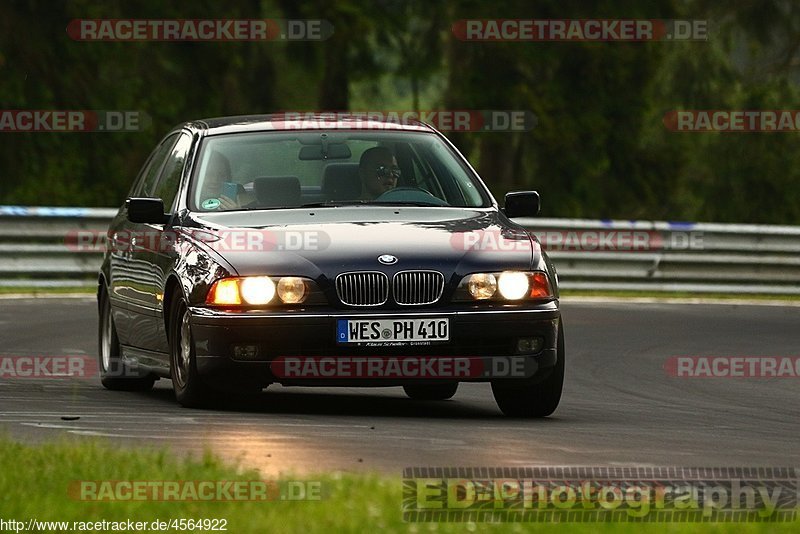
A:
[393,331]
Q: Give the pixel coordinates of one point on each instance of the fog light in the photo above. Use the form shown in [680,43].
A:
[530,345]
[245,352]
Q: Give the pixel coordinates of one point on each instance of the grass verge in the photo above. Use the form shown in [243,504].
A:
[35,482]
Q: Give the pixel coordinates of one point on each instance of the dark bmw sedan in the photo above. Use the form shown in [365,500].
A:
[325,251]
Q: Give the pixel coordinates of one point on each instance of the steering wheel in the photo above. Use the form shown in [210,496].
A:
[410,194]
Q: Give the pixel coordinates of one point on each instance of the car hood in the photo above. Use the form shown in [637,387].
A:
[329,241]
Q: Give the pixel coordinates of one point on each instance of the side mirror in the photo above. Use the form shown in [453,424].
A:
[522,204]
[146,210]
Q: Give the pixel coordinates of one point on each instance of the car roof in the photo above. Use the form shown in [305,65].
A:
[294,121]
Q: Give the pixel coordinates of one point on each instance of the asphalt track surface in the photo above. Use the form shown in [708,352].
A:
[620,407]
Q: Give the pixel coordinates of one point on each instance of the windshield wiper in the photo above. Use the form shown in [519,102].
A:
[335,203]
[332,203]
[406,203]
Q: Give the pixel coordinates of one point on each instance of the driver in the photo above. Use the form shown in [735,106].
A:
[378,171]
[218,173]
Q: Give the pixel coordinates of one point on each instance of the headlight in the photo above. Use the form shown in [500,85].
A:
[291,289]
[482,286]
[257,289]
[261,290]
[513,285]
[504,286]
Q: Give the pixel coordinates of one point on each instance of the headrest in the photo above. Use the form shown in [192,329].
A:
[219,167]
[277,191]
[341,181]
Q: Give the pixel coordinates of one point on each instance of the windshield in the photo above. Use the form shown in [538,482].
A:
[330,168]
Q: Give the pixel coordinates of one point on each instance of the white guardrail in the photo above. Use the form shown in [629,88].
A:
[589,254]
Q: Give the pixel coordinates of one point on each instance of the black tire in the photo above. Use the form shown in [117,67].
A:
[114,374]
[432,391]
[190,391]
[533,399]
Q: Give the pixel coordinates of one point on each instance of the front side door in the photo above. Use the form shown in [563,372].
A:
[130,274]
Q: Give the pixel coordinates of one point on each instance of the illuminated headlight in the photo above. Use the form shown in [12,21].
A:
[482,286]
[291,289]
[506,286]
[257,289]
[513,285]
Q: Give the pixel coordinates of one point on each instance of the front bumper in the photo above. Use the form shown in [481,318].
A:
[477,334]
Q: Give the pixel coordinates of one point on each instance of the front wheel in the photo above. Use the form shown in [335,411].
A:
[431,391]
[114,374]
[190,391]
[525,398]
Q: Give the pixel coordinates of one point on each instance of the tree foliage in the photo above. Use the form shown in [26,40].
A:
[599,149]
